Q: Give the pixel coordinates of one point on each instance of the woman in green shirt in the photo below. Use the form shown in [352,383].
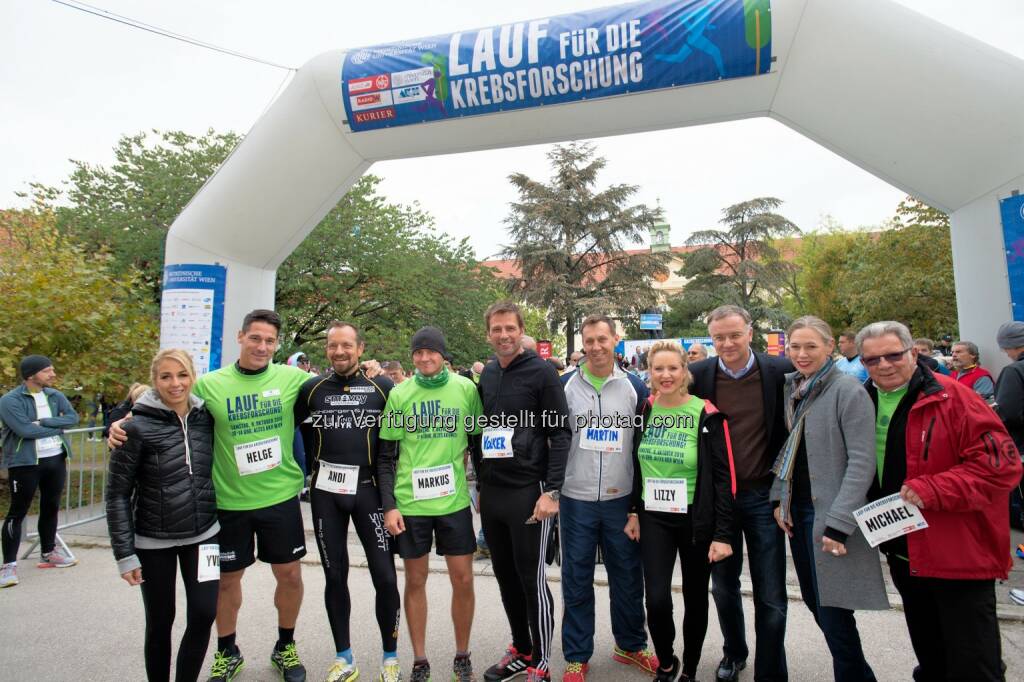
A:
[683,489]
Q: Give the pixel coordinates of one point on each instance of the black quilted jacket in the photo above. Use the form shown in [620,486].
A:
[159,482]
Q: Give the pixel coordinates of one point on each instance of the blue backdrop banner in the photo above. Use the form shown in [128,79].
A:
[192,312]
[1012,211]
[600,53]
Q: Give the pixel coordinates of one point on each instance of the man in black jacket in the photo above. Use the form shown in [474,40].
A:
[1010,402]
[521,467]
[747,387]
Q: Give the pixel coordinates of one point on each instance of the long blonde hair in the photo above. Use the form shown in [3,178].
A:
[177,354]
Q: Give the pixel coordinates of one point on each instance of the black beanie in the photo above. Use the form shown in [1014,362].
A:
[33,364]
[430,338]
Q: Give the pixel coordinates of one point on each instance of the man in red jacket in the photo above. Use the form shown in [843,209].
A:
[943,449]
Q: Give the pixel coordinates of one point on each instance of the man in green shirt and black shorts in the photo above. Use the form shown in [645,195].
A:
[425,498]
[258,483]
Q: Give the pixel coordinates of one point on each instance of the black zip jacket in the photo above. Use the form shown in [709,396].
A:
[528,389]
[712,513]
[345,425]
[159,482]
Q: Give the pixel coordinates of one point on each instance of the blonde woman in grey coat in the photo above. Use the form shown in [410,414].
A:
[822,475]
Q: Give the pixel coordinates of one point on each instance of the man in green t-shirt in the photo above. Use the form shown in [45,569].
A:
[425,497]
[257,481]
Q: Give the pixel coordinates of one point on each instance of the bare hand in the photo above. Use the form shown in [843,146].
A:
[117,436]
[544,508]
[719,551]
[371,368]
[830,546]
[133,577]
[632,529]
[908,495]
[394,522]
[786,526]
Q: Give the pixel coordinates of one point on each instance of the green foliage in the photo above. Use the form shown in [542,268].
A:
[386,269]
[72,303]
[740,264]
[569,241]
[128,207]
[904,272]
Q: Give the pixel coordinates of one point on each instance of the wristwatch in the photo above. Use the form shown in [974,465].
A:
[553,494]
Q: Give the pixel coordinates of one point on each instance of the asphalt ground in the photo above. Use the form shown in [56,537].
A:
[85,623]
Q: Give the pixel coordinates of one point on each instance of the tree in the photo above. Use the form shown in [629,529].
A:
[128,207]
[386,269]
[72,304]
[569,241]
[741,264]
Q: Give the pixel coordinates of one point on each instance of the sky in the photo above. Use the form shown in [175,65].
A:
[73,83]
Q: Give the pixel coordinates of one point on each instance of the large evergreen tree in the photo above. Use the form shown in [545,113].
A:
[570,242]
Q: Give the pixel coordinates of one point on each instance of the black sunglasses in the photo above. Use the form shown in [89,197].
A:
[891,358]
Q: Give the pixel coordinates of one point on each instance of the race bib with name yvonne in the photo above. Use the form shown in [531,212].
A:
[209,562]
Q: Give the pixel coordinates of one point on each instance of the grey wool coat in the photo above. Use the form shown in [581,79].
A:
[839,436]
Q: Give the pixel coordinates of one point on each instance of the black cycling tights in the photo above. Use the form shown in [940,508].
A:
[159,575]
[331,514]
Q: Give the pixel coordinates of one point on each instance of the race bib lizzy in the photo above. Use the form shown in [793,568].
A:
[434,482]
[340,479]
[665,495]
[258,456]
[497,443]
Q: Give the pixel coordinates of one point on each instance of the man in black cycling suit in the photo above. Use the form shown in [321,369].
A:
[342,447]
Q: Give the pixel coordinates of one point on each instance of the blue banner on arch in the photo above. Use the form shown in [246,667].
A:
[1012,212]
[587,55]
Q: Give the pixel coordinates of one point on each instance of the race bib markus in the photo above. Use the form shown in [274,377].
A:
[340,479]
[429,484]
[258,456]
[497,443]
[665,495]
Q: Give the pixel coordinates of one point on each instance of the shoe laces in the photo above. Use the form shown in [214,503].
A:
[289,656]
[391,672]
[420,673]
[574,667]
[534,675]
[220,664]
[463,669]
[511,654]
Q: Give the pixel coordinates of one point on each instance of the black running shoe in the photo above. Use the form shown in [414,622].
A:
[226,666]
[512,665]
[287,662]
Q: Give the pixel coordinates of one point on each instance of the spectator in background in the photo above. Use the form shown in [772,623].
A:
[478,368]
[558,364]
[35,454]
[942,449]
[945,346]
[121,410]
[925,353]
[394,371]
[966,359]
[849,359]
[1010,402]
[574,359]
[529,343]
[697,352]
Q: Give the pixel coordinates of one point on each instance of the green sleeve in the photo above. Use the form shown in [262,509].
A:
[476,408]
[390,428]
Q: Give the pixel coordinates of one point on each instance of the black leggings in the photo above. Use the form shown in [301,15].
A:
[159,576]
[331,514]
[518,551]
[48,476]
[662,536]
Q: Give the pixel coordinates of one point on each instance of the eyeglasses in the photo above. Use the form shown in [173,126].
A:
[891,358]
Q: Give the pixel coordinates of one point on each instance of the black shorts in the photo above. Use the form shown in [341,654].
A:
[277,529]
[453,532]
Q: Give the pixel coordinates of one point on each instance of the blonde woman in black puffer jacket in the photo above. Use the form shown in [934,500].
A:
[162,513]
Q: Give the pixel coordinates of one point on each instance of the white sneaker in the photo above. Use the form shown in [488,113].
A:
[391,671]
[341,671]
[56,559]
[9,575]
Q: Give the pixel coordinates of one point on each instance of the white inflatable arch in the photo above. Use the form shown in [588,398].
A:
[929,110]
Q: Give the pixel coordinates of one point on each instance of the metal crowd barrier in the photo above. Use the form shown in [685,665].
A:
[87,476]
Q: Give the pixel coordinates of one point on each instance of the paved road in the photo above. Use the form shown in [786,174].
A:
[85,623]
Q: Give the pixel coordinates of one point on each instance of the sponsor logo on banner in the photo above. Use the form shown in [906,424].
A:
[369,84]
[371,101]
[413,93]
[386,114]
[402,79]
